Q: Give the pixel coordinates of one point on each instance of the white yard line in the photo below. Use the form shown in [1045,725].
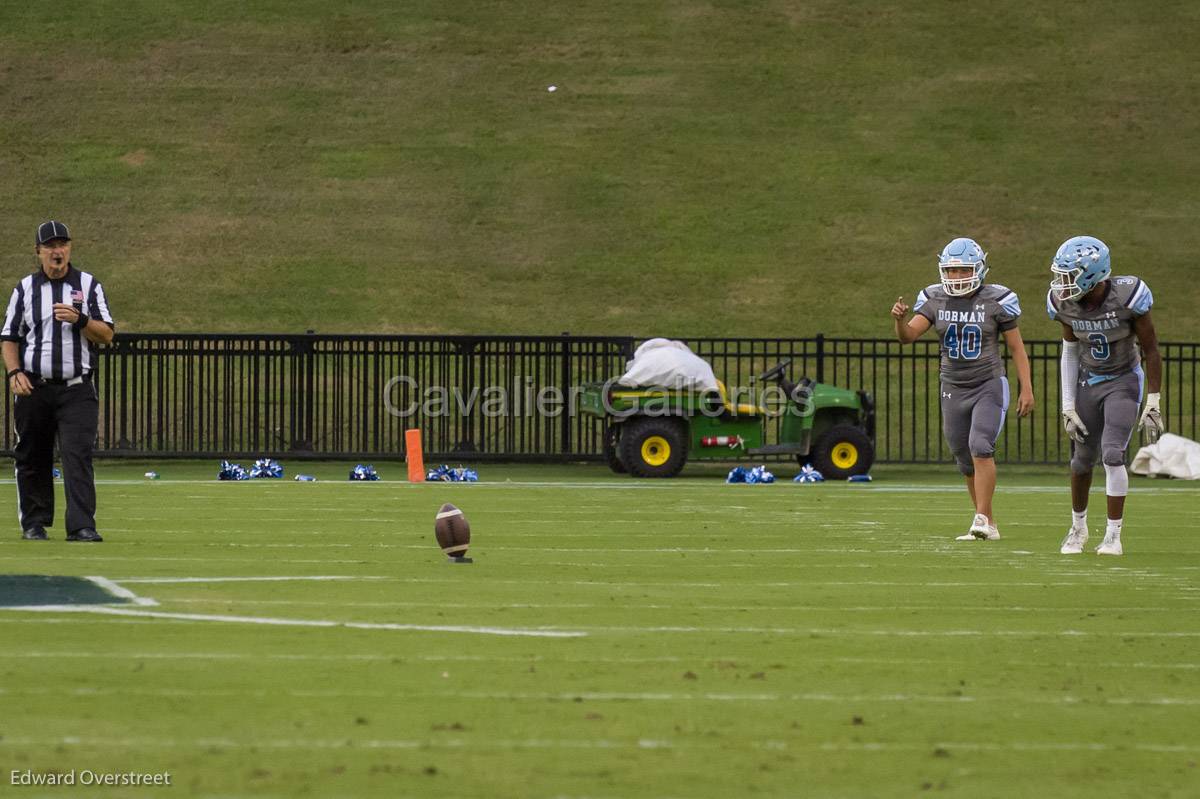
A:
[831,632]
[483,742]
[785,583]
[1098,579]
[547,658]
[606,696]
[169,580]
[266,620]
[583,630]
[827,608]
[1050,555]
[338,658]
[206,559]
[118,591]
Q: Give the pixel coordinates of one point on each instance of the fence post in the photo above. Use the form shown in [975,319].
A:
[304,392]
[465,438]
[820,357]
[565,385]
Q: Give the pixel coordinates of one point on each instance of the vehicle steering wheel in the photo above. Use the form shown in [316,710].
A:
[776,371]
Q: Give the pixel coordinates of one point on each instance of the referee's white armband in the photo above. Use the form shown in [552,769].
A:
[1068,373]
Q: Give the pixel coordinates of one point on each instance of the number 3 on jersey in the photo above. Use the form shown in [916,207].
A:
[1100,348]
[964,347]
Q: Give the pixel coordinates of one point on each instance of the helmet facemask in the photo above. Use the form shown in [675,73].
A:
[1064,283]
[961,286]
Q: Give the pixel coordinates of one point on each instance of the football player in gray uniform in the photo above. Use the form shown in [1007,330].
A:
[971,317]
[1102,377]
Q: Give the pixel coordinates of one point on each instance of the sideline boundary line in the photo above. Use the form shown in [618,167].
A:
[705,484]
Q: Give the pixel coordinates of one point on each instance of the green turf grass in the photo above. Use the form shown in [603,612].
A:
[778,640]
[705,168]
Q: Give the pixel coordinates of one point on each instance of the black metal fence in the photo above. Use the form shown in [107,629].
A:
[509,397]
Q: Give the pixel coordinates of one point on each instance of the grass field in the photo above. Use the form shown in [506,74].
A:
[705,168]
[716,641]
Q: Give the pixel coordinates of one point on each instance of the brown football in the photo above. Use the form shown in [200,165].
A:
[452,531]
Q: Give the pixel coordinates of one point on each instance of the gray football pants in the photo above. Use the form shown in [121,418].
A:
[1109,410]
[972,417]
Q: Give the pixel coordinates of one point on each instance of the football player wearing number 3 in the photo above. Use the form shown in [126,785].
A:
[970,317]
[1102,377]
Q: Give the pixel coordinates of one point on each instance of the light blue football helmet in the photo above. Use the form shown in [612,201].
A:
[957,254]
[1078,266]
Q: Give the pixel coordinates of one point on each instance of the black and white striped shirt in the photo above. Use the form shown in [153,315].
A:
[50,348]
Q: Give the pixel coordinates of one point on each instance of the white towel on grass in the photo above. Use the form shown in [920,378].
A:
[1171,456]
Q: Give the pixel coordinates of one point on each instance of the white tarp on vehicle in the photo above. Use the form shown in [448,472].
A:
[663,363]
[1171,456]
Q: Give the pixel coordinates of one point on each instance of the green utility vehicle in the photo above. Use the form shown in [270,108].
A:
[653,432]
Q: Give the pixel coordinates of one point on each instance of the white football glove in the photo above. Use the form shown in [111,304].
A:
[1151,422]
[1076,430]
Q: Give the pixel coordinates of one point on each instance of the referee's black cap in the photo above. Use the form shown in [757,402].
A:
[48,231]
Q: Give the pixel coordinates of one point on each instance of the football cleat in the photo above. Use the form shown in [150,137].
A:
[1073,543]
[1111,545]
[980,530]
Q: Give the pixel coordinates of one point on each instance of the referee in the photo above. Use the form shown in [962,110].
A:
[55,319]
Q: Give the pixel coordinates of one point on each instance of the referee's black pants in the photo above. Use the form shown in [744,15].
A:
[73,413]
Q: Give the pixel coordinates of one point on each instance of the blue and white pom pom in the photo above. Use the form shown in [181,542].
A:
[459,474]
[808,475]
[740,474]
[265,467]
[232,471]
[364,472]
[759,474]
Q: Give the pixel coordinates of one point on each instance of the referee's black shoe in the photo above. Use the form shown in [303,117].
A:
[34,534]
[86,534]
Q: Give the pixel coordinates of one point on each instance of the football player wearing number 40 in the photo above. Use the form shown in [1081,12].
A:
[971,317]
[1102,377]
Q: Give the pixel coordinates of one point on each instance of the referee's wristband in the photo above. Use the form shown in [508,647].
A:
[81,322]
[12,372]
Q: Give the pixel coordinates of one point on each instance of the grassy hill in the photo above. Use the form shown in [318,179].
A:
[742,168]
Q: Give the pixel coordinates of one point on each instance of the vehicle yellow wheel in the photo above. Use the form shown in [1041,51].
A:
[656,451]
[842,451]
[844,455]
[653,446]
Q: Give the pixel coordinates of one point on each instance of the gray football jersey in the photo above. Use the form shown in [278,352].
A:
[969,328]
[1107,344]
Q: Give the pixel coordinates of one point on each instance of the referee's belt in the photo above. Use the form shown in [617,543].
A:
[59,381]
